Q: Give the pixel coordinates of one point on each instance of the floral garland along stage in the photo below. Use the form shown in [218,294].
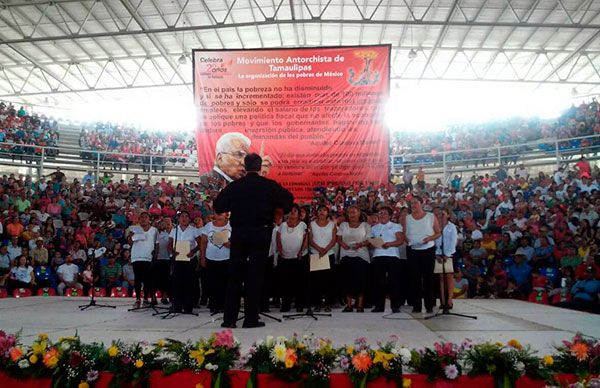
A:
[308,361]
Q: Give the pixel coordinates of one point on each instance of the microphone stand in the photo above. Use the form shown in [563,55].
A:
[92,302]
[445,309]
[171,313]
[309,311]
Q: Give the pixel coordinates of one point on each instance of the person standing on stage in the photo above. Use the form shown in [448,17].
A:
[323,239]
[445,250]
[386,260]
[292,253]
[422,229]
[162,265]
[353,237]
[252,201]
[214,257]
[183,271]
[142,239]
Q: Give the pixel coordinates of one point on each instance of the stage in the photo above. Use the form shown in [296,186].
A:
[498,320]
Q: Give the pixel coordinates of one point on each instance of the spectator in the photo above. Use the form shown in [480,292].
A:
[520,273]
[110,274]
[68,274]
[21,275]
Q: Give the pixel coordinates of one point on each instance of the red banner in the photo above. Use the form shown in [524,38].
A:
[315,115]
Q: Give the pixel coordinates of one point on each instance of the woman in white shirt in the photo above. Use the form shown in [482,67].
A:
[21,275]
[445,250]
[323,239]
[214,256]
[353,239]
[292,256]
[422,229]
[386,260]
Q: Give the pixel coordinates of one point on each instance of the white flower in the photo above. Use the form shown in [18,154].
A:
[146,349]
[520,367]
[65,346]
[210,366]
[269,341]
[451,372]
[23,364]
[281,339]
[278,352]
[405,355]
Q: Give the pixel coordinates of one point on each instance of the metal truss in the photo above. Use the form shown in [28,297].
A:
[77,46]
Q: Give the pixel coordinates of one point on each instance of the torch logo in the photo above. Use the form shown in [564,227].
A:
[366,76]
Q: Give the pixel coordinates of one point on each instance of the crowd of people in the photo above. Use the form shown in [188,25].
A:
[462,141]
[512,234]
[22,135]
[129,144]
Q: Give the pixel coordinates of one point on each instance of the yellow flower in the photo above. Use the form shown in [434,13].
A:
[33,359]
[113,351]
[38,348]
[383,358]
[548,360]
[301,346]
[499,344]
[406,383]
[197,355]
[161,343]
[513,343]
[43,336]
[83,384]
[199,385]
[51,358]
[209,351]
[289,363]
[279,352]
[139,363]
[349,349]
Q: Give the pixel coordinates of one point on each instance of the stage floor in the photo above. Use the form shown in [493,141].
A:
[498,320]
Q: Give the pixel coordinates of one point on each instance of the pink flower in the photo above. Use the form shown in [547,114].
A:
[224,339]
[445,349]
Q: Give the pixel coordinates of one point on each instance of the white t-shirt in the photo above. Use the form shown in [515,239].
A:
[355,235]
[68,271]
[189,234]
[322,235]
[215,252]
[143,243]
[22,274]
[163,243]
[273,247]
[386,232]
[291,240]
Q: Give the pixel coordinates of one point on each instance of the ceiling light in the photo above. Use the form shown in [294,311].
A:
[182,59]
[412,54]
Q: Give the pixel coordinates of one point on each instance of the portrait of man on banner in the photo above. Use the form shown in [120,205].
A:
[230,151]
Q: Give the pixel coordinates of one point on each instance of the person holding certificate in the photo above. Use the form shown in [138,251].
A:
[214,256]
[323,239]
[353,238]
[142,239]
[184,243]
[292,248]
[387,236]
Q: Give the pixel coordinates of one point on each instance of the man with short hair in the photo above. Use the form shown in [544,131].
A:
[252,201]
[142,239]
[68,274]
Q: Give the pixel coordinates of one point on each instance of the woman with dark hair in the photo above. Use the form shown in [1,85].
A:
[387,261]
[292,249]
[445,250]
[21,275]
[422,229]
[353,238]
[323,239]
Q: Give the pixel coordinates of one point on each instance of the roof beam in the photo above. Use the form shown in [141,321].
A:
[574,54]
[279,22]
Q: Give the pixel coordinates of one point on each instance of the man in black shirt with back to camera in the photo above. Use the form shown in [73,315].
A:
[252,201]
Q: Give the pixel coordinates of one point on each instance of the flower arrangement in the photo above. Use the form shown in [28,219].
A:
[217,354]
[362,363]
[293,359]
[580,356]
[443,361]
[506,363]
[130,362]
[78,364]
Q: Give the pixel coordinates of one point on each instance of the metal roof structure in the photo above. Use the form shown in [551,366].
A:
[85,49]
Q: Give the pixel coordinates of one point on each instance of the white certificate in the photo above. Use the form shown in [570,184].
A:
[319,263]
[182,248]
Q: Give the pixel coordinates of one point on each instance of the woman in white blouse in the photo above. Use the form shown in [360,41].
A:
[353,239]
[445,250]
[292,254]
[323,232]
